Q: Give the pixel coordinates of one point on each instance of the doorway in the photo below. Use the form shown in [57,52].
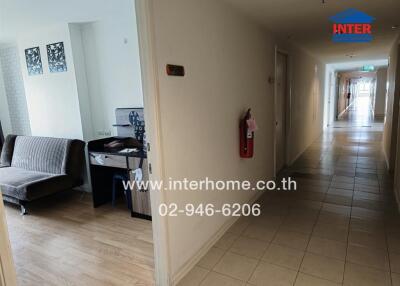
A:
[90,226]
[281,86]
[356,99]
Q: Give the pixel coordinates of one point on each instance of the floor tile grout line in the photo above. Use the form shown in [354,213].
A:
[260,260]
[323,201]
[308,243]
[348,232]
[219,260]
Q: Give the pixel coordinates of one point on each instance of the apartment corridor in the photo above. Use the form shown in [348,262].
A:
[341,226]
[359,114]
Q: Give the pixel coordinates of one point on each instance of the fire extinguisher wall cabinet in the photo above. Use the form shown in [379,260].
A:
[246,139]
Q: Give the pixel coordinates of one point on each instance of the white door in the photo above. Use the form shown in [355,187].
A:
[281,96]
[7,270]
[330,96]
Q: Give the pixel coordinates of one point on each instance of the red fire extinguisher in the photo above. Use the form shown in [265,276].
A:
[246,137]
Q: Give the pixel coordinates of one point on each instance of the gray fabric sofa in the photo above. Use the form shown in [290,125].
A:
[35,167]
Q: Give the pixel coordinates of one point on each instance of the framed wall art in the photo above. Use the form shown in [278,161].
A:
[33,61]
[56,57]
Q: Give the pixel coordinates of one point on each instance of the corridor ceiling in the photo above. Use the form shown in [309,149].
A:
[306,23]
[303,22]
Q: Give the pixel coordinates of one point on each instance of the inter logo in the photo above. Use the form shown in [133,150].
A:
[352,26]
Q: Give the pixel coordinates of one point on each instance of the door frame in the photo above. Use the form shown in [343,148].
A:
[150,82]
[145,20]
[7,268]
[337,96]
[330,97]
[331,94]
[288,106]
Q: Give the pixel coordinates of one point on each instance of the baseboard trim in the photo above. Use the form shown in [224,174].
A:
[301,152]
[297,157]
[386,157]
[341,113]
[396,196]
[84,188]
[209,244]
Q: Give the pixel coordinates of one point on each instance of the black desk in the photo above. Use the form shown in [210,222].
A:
[105,164]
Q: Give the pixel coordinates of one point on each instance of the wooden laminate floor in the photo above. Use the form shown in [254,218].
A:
[65,241]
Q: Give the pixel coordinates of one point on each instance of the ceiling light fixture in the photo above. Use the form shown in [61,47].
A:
[394,27]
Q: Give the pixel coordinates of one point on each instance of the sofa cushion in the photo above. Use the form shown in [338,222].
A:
[27,185]
[40,154]
[15,180]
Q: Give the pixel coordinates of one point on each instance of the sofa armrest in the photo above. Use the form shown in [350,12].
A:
[7,151]
[76,160]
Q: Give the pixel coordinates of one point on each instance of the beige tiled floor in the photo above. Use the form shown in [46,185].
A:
[341,226]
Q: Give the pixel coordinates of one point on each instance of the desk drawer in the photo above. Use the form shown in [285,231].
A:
[110,160]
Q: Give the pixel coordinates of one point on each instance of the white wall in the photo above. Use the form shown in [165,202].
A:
[111,52]
[392,107]
[85,104]
[308,93]
[391,130]
[380,94]
[4,111]
[392,123]
[330,95]
[228,60]
[14,88]
[52,98]
[111,48]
